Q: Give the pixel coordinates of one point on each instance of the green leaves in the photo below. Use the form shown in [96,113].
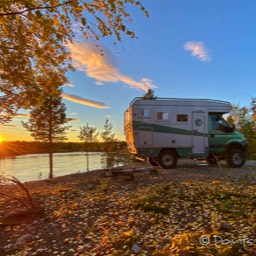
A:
[245,121]
[47,119]
[88,134]
[149,95]
[108,159]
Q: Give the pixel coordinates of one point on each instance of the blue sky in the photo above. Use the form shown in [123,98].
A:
[186,48]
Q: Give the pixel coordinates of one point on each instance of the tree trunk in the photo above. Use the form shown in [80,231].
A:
[50,161]
[50,142]
[87,160]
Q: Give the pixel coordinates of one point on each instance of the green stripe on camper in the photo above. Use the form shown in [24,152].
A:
[143,126]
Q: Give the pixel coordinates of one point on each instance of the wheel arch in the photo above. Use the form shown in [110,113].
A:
[235,145]
[172,149]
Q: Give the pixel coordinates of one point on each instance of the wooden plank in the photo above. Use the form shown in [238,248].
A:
[129,172]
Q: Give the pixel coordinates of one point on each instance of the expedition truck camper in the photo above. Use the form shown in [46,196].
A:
[164,129]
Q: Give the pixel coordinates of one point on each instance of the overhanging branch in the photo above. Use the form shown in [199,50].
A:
[37,8]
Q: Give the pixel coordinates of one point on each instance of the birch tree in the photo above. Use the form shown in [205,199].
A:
[88,135]
[108,139]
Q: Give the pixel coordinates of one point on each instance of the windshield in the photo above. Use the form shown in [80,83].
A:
[218,123]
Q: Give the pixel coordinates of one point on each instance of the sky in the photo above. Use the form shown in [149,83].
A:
[184,49]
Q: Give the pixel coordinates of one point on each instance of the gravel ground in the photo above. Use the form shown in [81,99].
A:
[188,169]
[90,214]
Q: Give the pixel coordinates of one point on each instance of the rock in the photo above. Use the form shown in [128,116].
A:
[31,229]
[23,239]
[136,248]
[9,248]
[35,223]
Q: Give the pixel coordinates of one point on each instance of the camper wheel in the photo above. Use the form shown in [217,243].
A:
[152,161]
[167,159]
[236,158]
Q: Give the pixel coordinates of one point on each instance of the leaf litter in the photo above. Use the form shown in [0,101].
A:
[164,214]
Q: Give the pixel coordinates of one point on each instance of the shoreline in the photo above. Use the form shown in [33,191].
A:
[181,164]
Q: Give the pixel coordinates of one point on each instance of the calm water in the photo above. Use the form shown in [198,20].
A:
[34,167]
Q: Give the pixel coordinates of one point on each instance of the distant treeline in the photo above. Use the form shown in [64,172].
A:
[25,147]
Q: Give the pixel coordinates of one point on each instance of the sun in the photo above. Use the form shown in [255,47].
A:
[1,139]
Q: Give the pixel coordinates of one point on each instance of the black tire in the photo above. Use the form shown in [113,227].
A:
[167,159]
[236,158]
[152,161]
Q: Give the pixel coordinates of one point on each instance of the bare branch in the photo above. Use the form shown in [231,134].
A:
[17,182]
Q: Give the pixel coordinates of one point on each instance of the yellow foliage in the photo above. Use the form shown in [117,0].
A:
[216,182]
[128,233]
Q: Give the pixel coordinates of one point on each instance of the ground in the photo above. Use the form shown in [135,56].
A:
[190,210]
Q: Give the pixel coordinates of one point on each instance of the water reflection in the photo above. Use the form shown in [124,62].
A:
[36,166]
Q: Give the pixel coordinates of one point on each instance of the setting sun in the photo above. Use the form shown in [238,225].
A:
[1,139]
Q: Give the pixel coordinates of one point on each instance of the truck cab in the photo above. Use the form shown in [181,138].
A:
[225,142]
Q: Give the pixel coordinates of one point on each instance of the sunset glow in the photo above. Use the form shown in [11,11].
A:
[184,49]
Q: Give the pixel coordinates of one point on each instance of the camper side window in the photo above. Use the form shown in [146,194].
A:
[182,118]
[162,116]
[143,112]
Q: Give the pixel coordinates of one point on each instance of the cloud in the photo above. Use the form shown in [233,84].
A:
[198,50]
[97,63]
[72,119]
[69,84]
[8,125]
[80,100]
[109,116]
[22,115]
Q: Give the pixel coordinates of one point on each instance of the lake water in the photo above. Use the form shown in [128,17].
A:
[36,166]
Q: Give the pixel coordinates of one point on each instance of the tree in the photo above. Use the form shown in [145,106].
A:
[149,95]
[8,108]
[108,139]
[46,122]
[88,135]
[33,39]
[245,120]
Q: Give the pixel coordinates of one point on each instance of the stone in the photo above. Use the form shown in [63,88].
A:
[31,229]
[9,248]
[23,239]
[136,248]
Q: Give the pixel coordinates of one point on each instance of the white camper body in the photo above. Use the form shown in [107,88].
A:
[180,125]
